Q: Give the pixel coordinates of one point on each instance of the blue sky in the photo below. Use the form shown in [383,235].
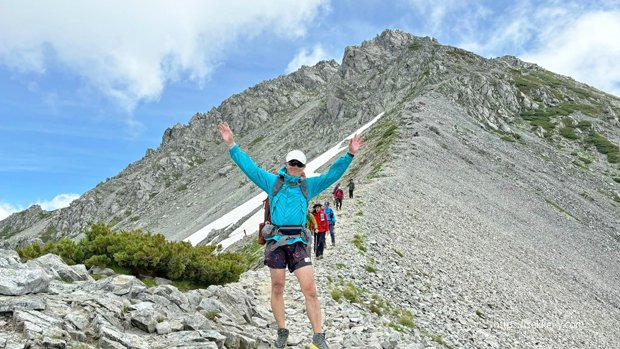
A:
[87,86]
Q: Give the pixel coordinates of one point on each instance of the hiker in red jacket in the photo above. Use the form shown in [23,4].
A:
[323,227]
[338,195]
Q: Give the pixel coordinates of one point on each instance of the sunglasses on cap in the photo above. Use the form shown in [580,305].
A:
[296,163]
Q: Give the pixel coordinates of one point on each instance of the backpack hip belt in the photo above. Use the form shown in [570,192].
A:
[287,233]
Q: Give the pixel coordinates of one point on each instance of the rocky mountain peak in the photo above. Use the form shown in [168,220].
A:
[22,220]
[392,40]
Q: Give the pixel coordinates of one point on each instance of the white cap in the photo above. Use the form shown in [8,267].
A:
[296,155]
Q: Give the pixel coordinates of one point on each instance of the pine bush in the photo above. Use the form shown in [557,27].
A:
[148,254]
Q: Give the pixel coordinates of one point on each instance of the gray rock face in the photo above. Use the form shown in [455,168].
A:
[81,311]
[121,284]
[57,269]
[9,304]
[101,271]
[9,258]
[146,318]
[22,220]
[120,312]
[17,282]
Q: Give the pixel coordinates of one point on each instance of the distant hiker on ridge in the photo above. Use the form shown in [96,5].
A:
[336,188]
[351,187]
[338,196]
[287,236]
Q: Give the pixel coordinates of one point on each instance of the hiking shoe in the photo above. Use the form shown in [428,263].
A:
[281,340]
[318,341]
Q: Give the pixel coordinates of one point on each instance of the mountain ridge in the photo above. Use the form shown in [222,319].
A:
[396,65]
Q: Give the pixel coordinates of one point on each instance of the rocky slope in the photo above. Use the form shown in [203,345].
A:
[490,244]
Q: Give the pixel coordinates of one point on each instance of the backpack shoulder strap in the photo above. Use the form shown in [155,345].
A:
[304,187]
[280,182]
[276,188]
[267,210]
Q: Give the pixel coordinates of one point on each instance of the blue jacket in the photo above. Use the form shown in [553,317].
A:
[289,205]
[331,216]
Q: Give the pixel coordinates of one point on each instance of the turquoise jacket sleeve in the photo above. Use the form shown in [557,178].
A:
[262,178]
[319,183]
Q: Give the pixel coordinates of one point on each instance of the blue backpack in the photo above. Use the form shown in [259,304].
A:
[276,188]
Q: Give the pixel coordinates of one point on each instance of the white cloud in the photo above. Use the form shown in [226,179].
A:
[60,201]
[6,210]
[130,50]
[503,34]
[437,15]
[574,38]
[588,50]
[307,57]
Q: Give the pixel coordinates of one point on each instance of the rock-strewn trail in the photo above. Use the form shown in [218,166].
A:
[347,324]
[47,304]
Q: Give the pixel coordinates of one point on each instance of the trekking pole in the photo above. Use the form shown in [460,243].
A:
[314,243]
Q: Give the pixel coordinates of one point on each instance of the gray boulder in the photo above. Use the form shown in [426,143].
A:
[57,269]
[80,270]
[231,300]
[101,271]
[8,258]
[166,327]
[112,338]
[37,324]
[190,339]
[145,319]
[9,304]
[172,294]
[17,282]
[121,285]
[77,319]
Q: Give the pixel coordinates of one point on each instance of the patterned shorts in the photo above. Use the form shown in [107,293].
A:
[294,256]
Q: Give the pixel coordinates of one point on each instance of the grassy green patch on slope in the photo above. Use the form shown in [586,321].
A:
[604,146]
